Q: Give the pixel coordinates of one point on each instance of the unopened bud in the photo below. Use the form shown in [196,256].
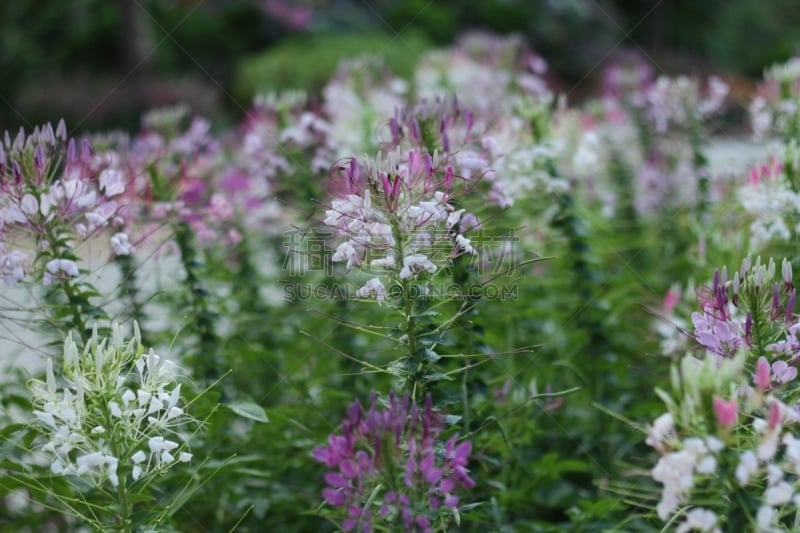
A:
[786,273]
[745,266]
[61,130]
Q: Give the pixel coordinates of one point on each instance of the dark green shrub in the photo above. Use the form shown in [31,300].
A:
[309,62]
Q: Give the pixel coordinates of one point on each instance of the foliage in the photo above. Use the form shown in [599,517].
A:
[308,63]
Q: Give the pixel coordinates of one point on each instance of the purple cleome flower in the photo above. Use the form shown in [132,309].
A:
[389,465]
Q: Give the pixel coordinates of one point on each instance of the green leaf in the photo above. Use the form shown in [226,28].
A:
[249,410]
[452,420]
[433,377]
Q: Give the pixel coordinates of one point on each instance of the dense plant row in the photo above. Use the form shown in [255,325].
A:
[482,283]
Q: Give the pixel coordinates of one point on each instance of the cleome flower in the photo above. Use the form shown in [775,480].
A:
[118,413]
[771,197]
[709,445]
[678,102]
[729,453]
[53,192]
[391,469]
[397,216]
[774,109]
[730,309]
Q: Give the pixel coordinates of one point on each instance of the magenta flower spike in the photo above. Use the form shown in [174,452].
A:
[382,443]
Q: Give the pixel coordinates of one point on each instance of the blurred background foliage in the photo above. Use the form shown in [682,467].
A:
[99,63]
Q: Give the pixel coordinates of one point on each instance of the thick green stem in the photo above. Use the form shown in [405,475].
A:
[80,309]
[414,365]
[76,308]
[203,318]
[246,283]
[462,277]
[126,525]
[128,286]
[124,507]
[700,165]
[465,398]
[587,281]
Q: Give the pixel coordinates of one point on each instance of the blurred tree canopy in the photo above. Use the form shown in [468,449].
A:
[742,36]
[69,47]
[101,62]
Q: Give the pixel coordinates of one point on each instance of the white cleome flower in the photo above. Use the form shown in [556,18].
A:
[121,244]
[765,517]
[780,494]
[121,383]
[747,468]
[699,519]
[662,428]
[371,288]
[415,264]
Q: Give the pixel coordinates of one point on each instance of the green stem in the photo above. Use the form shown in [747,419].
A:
[50,241]
[128,286]
[465,397]
[700,165]
[413,362]
[246,282]
[126,525]
[462,277]
[78,323]
[124,508]
[79,307]
[587,281]
[203,318]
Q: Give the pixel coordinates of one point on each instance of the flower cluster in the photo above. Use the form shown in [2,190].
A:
[522,152]
[166,165]
[440,125]
[775,106]
[232,187]
[179,173]
[577,140]
[500,129]
[359,99]
[751,310]
[655,128]
[397,216]
[484,71]
[710,445]
[680,102]
[732,416]
[390,468]
[675,173]
[116,419]
[771,197]
[662,181]
[509,152]
[627,80]
[54,194]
